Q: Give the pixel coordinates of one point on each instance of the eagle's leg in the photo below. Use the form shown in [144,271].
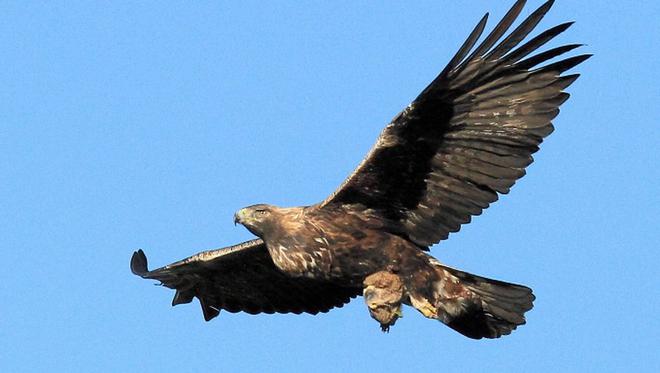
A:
[383,292]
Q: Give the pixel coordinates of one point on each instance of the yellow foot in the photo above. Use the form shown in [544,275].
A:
[425,307]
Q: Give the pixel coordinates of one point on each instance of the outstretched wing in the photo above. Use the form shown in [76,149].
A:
[468,136]
[242,278]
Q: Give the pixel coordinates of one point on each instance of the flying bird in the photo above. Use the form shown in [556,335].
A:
[446,157]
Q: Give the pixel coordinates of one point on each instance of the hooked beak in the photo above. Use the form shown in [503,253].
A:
[239,216]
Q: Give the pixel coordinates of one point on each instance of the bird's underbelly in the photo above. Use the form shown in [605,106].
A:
[345,262]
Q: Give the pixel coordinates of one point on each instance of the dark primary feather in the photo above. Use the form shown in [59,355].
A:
[243,278]
[468,136]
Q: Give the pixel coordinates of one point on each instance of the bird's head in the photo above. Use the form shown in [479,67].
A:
[258,219]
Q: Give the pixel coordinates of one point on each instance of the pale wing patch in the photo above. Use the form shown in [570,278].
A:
[312,264]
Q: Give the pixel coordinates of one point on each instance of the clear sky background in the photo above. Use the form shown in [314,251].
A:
[138,125]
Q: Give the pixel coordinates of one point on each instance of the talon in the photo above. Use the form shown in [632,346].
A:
[429,311]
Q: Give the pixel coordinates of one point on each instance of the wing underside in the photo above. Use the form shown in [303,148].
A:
[242,278]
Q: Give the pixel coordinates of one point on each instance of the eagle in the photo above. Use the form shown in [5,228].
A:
[446,157]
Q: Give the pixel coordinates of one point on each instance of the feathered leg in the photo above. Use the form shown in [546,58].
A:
[383,292]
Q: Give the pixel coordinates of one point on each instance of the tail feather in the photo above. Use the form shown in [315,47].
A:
[475,306]
[499,293]
[496,309]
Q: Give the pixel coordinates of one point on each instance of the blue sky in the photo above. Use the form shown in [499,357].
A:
[135,125]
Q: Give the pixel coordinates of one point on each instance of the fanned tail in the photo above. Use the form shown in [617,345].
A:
[474,306]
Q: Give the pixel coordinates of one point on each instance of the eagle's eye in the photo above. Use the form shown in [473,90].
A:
[262,212]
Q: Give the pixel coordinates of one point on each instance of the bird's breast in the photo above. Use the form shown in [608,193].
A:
[297,260]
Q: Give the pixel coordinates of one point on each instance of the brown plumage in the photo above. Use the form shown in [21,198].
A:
[383,293]
[465,139]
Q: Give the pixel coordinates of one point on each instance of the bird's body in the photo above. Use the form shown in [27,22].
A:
[340,243]
[347,244]
[446,157]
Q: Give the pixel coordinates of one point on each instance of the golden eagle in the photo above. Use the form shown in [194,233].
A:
[466,138]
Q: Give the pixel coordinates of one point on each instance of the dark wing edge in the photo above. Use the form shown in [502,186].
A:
[469,135]
[139,263]
[242,278]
